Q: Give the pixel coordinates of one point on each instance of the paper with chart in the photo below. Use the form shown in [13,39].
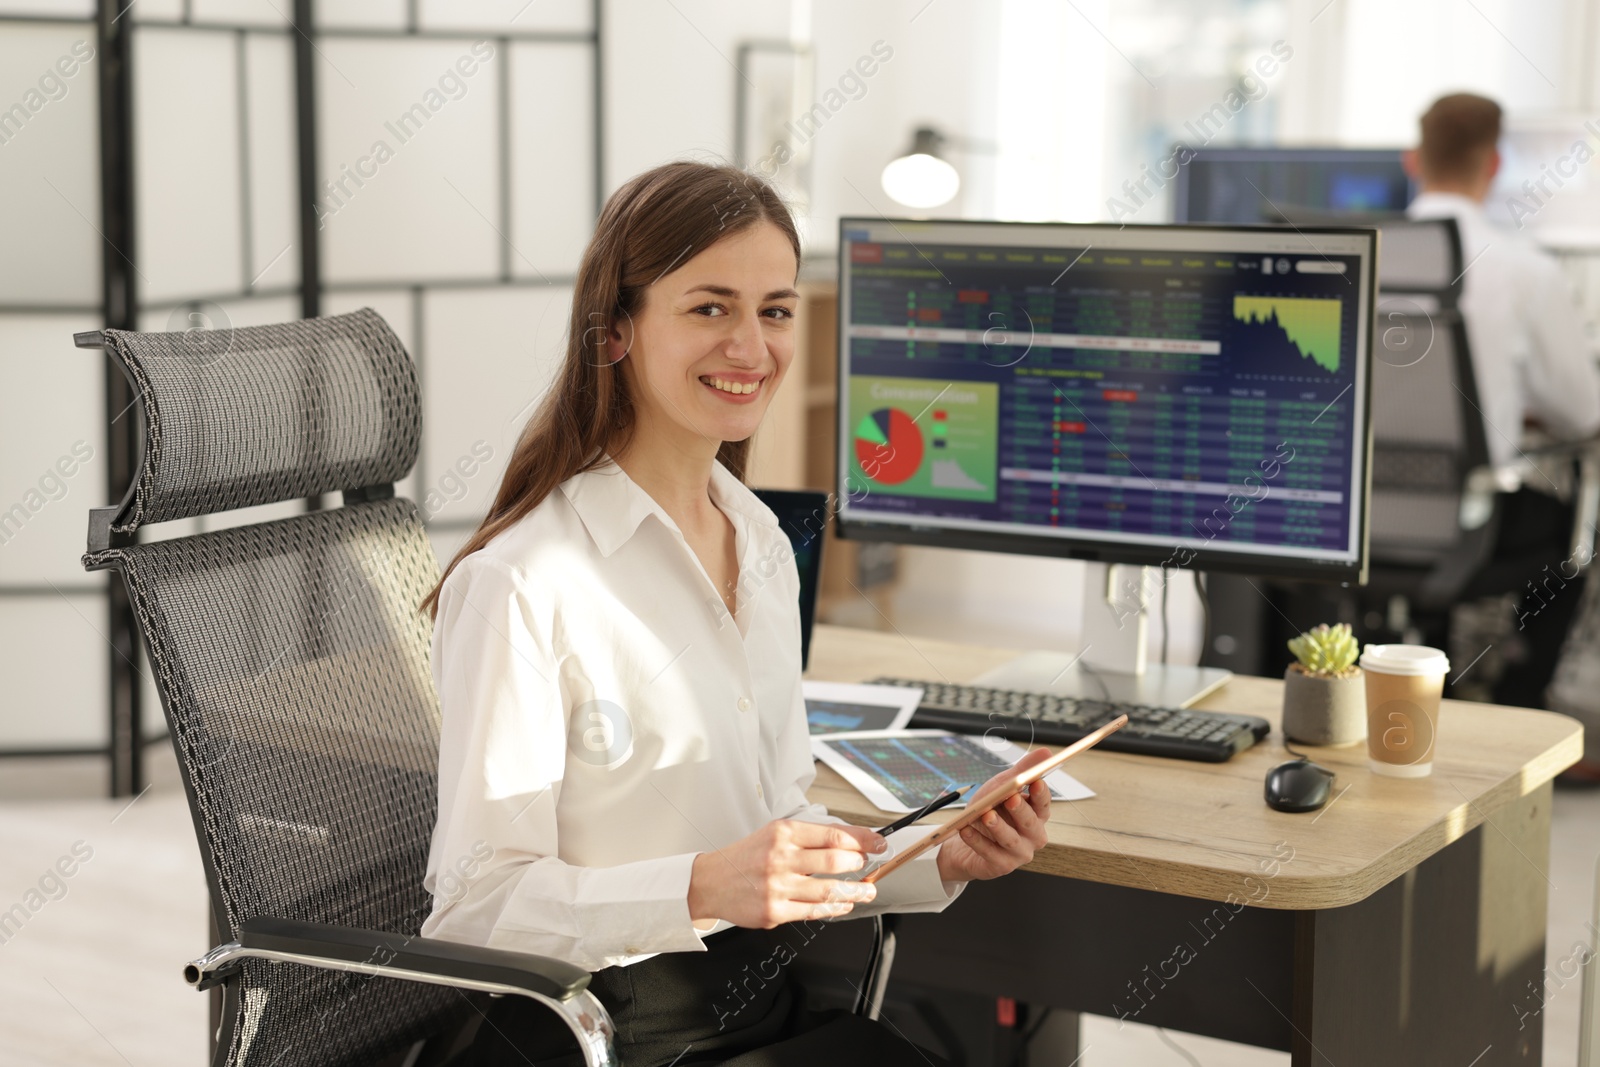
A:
[840,707]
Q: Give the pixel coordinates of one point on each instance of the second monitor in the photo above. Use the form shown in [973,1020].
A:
[1275,185]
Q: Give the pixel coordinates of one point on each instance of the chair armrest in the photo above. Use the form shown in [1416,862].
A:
[559,986]
[1483,482]
[1525,468]
[539,975]
[1563,449]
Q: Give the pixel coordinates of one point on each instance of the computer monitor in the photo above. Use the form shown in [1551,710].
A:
[1190,396]
[1274,185]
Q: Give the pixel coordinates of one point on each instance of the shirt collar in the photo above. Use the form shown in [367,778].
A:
[612,505]
[1446,205]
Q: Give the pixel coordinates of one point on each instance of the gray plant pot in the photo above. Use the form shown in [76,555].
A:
[1324,711]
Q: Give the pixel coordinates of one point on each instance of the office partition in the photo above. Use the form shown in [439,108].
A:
[215,163]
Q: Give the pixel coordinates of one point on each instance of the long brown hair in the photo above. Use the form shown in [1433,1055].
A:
[654,224]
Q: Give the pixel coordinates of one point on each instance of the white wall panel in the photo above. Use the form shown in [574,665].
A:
[670,78]
[913,81]
[243,12]
[262,311]
[52,448]
[447,542]
[385,14]
[150,10]
[490,355]
[274,203]
[216,315]
[507,16]
[49,166]
[552,170]
[52,8]
[186,172]
[408,150]
[55,660]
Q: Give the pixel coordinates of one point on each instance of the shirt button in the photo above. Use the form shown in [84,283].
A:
[759,793]
[632,950]
[744,703]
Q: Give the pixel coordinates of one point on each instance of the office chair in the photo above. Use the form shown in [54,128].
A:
[292,665]
[1432,525]
[1436,500]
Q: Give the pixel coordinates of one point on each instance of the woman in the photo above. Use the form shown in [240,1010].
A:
[624,755]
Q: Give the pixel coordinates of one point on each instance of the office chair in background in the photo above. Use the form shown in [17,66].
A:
[1438,506]
[1433,526]
[292,665]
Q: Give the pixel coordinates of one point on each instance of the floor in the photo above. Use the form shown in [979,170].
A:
[93,975]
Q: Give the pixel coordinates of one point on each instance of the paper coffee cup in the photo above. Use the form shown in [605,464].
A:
[1404,685]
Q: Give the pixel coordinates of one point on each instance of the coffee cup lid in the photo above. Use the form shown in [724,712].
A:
[1404,659]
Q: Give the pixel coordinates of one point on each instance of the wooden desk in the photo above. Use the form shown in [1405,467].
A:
[1401,924]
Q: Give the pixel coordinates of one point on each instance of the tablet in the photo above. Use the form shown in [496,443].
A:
[901,770]
[980,806]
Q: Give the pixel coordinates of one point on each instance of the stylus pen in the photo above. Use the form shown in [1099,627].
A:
[927,809]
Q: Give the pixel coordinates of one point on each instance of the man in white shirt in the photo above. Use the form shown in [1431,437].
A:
[1532,362]
[1528,342]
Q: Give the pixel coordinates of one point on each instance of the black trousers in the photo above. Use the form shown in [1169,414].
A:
[735,1004]
[1531,558]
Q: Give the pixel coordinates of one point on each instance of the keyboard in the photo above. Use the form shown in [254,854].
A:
[1176,733]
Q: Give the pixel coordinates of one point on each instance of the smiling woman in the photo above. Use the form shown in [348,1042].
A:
[636,767]
[656,225]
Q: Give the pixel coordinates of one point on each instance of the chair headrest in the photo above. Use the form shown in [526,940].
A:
[1421,255]
[240,417]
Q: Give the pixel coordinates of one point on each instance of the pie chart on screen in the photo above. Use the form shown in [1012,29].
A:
[888,446]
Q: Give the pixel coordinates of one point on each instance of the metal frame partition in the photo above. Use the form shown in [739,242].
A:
[117,285]
[116,25]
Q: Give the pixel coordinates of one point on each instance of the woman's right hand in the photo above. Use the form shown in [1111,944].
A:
[763,880]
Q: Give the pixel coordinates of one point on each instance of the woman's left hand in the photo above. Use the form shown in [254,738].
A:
[1005,838]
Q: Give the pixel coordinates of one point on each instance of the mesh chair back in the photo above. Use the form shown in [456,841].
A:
[1425,434]
[293,665]
[252,416]
[1421,256]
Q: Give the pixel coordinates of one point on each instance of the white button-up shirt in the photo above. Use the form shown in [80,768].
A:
[1530,352]
[605,720]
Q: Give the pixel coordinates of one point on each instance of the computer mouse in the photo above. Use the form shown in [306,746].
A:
[1298,785]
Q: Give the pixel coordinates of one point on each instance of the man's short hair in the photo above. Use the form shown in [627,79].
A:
[1458,134]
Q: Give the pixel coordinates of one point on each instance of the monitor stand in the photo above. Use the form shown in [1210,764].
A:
[1112,662]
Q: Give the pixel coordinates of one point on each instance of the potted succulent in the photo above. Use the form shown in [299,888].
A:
[1324,696]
